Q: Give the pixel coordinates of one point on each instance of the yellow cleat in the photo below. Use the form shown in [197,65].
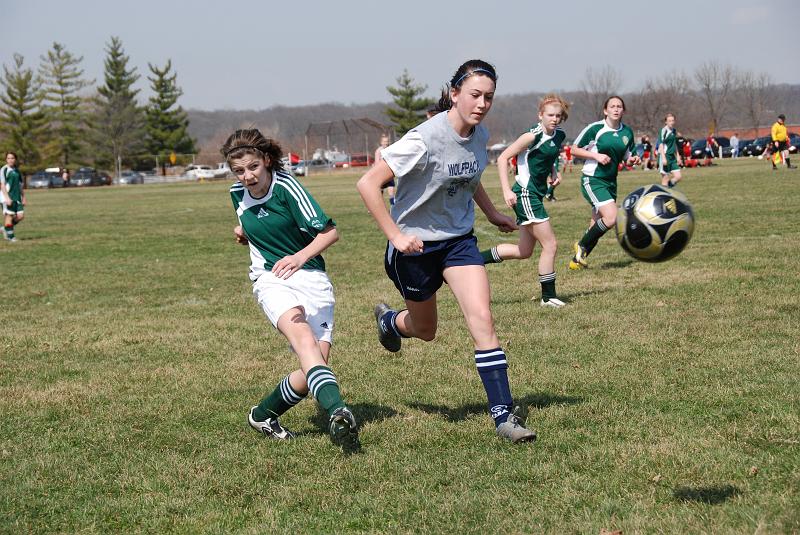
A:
[579,260]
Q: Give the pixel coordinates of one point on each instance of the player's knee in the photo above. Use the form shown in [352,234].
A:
[549,247]
[482,319]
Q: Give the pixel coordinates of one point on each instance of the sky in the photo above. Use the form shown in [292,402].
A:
[268,53]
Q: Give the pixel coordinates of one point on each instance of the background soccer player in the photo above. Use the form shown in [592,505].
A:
[604,145]
[438,166]
[389,186]
[669,158]
[538,151]
[287,231]
[12,196]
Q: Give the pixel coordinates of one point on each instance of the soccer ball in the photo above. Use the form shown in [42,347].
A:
[654,223]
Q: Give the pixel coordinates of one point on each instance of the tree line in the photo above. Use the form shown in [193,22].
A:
[48,118]
[711,97]
[714,95]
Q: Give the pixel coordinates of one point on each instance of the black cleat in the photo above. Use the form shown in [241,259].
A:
[344,429]
[386,337]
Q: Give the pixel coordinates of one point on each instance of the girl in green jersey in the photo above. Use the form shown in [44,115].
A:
[286,232]
[537,151]
[604,145]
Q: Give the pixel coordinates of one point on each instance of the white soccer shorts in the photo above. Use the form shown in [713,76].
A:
[311,290]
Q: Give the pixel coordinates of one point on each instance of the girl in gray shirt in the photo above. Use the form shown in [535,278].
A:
[437,168]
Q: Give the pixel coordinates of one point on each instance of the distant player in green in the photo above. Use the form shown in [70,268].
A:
[604,145]
[537,152]
[12,196]
[286,231]
[669,157]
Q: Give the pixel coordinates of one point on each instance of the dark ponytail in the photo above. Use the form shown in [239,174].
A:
[467,69]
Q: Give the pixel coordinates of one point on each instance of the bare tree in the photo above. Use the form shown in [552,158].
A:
[657,97]
[753,97]
[596,87]
[716,84]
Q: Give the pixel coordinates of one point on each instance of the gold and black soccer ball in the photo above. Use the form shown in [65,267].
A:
[654,223]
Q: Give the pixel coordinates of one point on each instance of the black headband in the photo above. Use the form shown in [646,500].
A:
[241,147]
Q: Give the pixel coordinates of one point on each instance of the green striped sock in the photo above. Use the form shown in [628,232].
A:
[280,400]
[323,386]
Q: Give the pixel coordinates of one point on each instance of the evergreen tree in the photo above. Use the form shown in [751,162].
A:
[62,80]
[21,118]
[117,121]
[411,108]
[166,124]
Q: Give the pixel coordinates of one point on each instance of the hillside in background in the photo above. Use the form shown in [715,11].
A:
[510,115]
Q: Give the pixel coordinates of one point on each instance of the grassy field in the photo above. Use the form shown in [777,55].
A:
[665,396]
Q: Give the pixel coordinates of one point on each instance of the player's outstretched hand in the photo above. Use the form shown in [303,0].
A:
[239,235]
[407,243]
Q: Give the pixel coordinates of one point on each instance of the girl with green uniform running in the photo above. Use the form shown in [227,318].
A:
[286,232]
[12,196]
[669,158]
[604,145]
[537,153]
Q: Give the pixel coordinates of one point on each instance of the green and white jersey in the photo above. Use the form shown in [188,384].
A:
[10,178]
[600,138]
[668,138]
[536,162]
[280,223]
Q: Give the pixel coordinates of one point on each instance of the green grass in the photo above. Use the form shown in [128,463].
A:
[665,396]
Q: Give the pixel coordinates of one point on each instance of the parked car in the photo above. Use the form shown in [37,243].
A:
[757,147]
[130,177]
[39,179]
[304,167]
[56,179]
[86,176]
[361,159]
[699,148]
[194,170]
[299,168]
[224,171]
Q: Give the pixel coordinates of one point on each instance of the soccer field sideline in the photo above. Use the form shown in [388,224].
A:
[665,395]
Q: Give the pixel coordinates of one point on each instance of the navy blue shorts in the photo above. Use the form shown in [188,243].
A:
[389,184]
[419,275]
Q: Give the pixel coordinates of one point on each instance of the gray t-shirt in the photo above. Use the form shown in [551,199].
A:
[437,172]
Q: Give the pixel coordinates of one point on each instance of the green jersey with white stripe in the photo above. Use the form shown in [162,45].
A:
[600,138]
[668,138]
[537,161]
[280,223]
[11,178]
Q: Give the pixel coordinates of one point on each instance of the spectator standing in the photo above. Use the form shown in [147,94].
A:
[734,145]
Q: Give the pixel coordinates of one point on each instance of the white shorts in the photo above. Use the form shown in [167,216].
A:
[311,290]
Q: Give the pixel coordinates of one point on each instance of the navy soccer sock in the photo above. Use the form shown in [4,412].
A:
[493,369]
[389,323]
